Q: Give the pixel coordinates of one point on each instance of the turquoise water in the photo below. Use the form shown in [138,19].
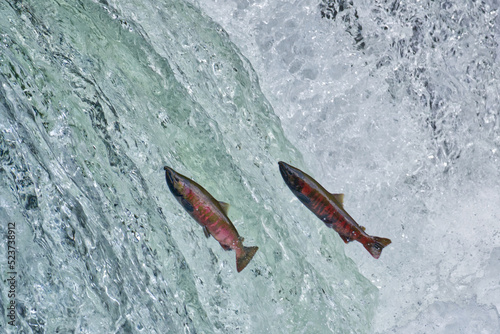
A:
[95,99]
[395,104]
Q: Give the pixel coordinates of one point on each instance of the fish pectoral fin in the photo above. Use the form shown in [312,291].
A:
[226,247]
[224,206]
[339,198]
[187,206]
[303,198]
[205,230]
[346,239]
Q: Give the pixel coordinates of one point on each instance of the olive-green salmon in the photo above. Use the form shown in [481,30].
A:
[210,214]
[329,208]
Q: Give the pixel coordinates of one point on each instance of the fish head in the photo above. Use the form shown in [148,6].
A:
[292,176]
[176,182]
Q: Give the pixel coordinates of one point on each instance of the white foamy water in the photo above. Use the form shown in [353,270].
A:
[396,105]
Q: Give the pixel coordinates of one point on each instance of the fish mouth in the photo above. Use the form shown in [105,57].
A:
[291,176]
[175,181]
[284,169]
[170,175]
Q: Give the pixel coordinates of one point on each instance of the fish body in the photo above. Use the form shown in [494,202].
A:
[329,208]
[210,214]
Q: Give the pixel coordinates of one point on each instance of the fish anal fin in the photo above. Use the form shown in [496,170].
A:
[224,206]
[226,247]
[205,230]
[346,239]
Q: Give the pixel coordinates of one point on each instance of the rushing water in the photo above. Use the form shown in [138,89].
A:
[395,104]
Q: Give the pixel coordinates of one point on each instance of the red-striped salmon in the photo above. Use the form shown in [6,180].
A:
[210,214]
[329,208]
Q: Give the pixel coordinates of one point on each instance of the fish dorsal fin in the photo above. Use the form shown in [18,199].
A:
[224,206]
[205,230]
[339,198]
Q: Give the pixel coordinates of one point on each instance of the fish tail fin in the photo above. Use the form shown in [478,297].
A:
[243,258]
[375,246]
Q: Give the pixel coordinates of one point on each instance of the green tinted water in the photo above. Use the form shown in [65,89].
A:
[95,100]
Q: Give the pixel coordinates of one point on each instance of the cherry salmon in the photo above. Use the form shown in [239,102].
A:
[210,214]
[329,208]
